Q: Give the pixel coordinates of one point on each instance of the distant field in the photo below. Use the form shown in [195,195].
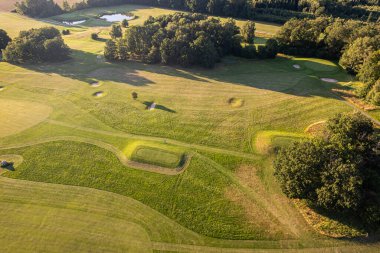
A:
[228,118]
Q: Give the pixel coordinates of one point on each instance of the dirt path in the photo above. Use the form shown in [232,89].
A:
[377,122]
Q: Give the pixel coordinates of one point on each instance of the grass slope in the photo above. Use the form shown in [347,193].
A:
[17,116]
[181,197]
[227,180]
[156,156]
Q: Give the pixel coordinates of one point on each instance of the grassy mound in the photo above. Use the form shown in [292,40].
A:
[156,156]
[265,141]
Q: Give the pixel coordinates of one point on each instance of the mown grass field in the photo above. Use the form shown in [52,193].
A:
[227,196]
[156,156]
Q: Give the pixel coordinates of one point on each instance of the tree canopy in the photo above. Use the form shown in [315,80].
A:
[183,39]
[4,39]
[340,172]
[38,8]
[353,43]
[248,32]
[37,45]
[268,10]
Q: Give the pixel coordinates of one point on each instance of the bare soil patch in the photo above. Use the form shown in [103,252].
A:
[329,80]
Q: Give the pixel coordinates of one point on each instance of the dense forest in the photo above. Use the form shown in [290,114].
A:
[268,10]
[354,43]
[186,40]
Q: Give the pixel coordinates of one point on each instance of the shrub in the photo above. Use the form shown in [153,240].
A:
[116,31]
[124,23]
[4,39]
[248,32]
[66,32]
[94,36]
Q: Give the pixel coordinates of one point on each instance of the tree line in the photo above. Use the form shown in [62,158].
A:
[186,40]
[34,45]
[267,10]
[355,44]
[338,173]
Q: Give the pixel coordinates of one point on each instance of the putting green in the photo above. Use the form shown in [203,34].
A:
[156,156]
[17,116]
[317,64]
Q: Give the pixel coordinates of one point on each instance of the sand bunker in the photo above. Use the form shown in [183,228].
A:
[94,84]
[296,66]
[329,80]
[152,106]
[236,102]
[99,94]
[74,22]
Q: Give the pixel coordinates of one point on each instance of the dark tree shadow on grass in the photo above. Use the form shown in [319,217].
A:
[9,166]
[259,74]
[158,107]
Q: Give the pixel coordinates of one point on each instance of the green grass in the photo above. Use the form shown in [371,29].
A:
[17,116]
[181,198]
[157,156]
[228,178]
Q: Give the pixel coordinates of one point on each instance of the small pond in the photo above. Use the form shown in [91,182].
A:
[117,17]
[74,22]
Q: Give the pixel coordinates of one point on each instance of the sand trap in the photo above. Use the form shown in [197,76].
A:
[74,22]
[329,80]
[152,106]
[296,66]
[94,84]
[117,17]
[99,94]
[236,102]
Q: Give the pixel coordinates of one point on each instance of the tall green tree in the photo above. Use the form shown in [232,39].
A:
[38,8]
[116,31]
[369,73]
[338,172]
[4,39]
[110,51]
[354,56]
[248,32]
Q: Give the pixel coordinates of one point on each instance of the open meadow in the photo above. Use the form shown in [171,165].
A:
[105,174]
